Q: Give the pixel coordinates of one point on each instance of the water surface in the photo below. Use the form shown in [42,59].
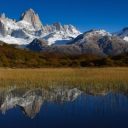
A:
[62,108]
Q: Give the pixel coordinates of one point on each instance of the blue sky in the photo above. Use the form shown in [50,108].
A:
[111,15]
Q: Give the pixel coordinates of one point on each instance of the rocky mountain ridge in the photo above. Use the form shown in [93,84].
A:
[30,27]
[97,42]
[31,34]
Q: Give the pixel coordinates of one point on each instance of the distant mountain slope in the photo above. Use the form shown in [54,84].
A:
[100,42]
[97,42]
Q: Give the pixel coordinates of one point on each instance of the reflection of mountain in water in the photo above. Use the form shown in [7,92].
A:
[31,101]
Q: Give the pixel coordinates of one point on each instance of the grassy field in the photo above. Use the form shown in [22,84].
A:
[84,78]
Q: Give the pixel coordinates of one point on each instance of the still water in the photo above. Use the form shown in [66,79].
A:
[62,108]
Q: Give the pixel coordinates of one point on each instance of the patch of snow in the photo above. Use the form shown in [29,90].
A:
[126,38]
[24,24]
[12,40]
[100,32]
[12,25]
[58,38]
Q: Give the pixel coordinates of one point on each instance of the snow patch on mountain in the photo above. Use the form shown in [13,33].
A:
[126,38]
[99,32]
[12,40]
[59,37]
[25,25]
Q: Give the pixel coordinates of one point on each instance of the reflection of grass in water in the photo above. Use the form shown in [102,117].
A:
[84,78]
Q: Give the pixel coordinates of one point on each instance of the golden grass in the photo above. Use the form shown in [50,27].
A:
[76,77]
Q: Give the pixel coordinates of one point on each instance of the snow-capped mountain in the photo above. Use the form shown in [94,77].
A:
[30,33]
[123,33]
[32,18]
[30,27]
[100,42]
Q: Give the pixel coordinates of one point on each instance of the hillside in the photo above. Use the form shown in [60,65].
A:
[13,57]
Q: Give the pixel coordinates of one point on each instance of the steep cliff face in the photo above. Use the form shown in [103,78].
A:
[31,17]
[2,28]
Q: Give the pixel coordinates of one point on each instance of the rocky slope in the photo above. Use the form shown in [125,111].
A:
[100,42]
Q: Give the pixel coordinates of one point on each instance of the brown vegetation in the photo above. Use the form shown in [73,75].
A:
[84,78]
[13,57]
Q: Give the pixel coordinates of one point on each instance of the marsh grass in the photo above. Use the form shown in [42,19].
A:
[87,79]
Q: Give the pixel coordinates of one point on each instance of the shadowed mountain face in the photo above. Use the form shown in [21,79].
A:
[31,101]
[37,45]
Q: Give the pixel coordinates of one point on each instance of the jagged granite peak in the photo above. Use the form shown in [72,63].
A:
[71,29]
[65,28]
[29,27]
[31,17]
[60,34]
[58,26]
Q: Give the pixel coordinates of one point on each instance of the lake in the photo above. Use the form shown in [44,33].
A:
[62,108]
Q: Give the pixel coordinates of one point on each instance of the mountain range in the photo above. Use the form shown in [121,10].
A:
[29,33]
